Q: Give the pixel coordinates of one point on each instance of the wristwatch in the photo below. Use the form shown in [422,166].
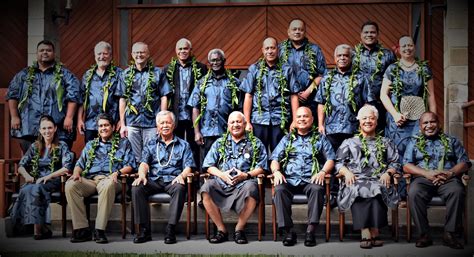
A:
[248,176]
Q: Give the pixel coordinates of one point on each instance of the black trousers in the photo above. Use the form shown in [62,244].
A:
[283,198]
[140,196]
[185,131]
[208,141]
[270,135]
[422,191]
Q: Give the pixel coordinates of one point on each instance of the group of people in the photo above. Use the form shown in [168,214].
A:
[289,115]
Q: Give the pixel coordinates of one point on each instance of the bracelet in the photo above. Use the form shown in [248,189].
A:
[248,176]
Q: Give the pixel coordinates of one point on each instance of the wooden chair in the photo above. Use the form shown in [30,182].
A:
[161,198]
[395,233]
[261,207]
[437,201]
[302,199]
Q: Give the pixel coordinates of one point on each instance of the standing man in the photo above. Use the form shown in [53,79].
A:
[183,74]
[143,91]
[166,162]
[306,60]
[372,59]
[213,99]
[312,157]
[98,87]
[270,90]
[235,160]
[98,169]
[44,88]
[437,162]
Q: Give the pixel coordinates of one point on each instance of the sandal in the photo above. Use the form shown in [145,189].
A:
[366,243]
[377,242]
[219,237]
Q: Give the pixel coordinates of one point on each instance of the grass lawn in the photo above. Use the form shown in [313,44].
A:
[100,254]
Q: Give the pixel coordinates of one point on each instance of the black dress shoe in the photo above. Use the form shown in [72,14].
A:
[239,237]
[81,235]
[46,235]
[423,241]
[99,237]
[219,237]
[309,239]
[143,235]
[170,237]
[290,239]
[450,240]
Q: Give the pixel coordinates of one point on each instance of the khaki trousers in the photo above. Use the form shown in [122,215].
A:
[76,192]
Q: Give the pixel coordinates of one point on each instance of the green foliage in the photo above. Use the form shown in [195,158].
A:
[29,83]
[90,156]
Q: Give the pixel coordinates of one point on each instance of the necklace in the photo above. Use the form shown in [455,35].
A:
[169,158]
[407,66]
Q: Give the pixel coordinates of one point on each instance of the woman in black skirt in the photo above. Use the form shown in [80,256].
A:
[367,162]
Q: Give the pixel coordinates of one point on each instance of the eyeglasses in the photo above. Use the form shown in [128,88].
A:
[215,60]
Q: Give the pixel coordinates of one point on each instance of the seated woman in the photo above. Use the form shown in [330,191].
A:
[41,167]
[367,161]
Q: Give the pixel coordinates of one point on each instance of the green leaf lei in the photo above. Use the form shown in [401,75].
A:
[425,78]
[225,146]
[232,86]
[379,154]
[421,146]
[149,90]
[397,84]
[350,95]
[57,79]
[172,68]
[378,64]
[91,153]
[314,150]
[308,52]
[262,71]
[108,84]
[35,161]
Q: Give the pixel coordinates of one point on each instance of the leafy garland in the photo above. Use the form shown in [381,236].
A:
[308,52]
[421,146]
[350,95]
[314,150]
[262,71]
[225,143]
[108,84]
[378,64]
[149,90]
[232,86]
[379,154]
[397,84]
[115,142]
[35,161]
[172,68]
[57,79]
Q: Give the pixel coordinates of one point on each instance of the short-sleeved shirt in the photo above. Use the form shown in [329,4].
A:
[300,160]
[43,98]
[123,157]
[96,96]
[342,118]
[218,107]
[167,161]
[238,155]
[63,153]
[144,118]
[271,97]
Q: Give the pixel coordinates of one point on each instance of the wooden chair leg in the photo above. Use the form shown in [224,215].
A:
[188,213]
[195,203]
[261,208]
[63,205]
[328,207]
[274,225]
[341,226]
[123,204]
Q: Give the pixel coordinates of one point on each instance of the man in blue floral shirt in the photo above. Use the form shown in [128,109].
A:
[44,88]
[437,162]
[101,163]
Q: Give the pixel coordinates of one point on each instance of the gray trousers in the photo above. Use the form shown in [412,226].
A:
[422,191]
[140,196]
[139,137]
[283,198]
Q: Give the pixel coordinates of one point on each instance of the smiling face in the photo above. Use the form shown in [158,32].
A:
[369,35]
[165,125]
[304,120]
[47,130]
[429,124]
[236,125]
[106,129]
[296,31]
[183,50]
[140,54]
[407,47]
[342,57]
[270,50]
[216,61]
[367,122]
[103,57]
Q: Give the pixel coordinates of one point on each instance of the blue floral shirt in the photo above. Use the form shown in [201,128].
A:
[342,118]
[300,162]
[43,99]
[270,98]
[96,97]
[167,161]
[160,86]
[65,156]
[218,107]
[435,149]
[101,164]
[238,155]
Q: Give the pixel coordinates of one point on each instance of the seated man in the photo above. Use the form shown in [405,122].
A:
[102,161]
[235,160]
[167,161]
[437,162]
[295,165]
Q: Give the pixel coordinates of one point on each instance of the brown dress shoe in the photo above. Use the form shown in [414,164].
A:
[423,241]
[450,240]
